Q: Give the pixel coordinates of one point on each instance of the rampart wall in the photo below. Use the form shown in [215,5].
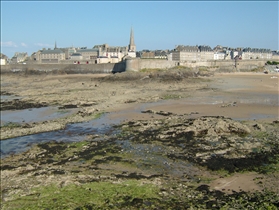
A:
[67,68]
[229,65]
[135,65]
[139,64]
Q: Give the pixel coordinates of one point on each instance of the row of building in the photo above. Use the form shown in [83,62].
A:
[107,54]
[110,54]
[205,53]
[98,54]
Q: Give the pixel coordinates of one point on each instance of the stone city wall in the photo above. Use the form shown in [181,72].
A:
[67,68]
[135,65]
[229,65]
[139,64]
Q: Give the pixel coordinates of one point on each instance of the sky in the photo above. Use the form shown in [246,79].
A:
[29,26]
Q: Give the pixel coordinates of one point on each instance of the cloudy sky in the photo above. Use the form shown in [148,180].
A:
[28,26]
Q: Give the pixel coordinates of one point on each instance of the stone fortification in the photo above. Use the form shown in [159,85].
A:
[229,65]
[139,64]
[136,65]
[67,68]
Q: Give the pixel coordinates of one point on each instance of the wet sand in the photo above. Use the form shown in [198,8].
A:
[240,96]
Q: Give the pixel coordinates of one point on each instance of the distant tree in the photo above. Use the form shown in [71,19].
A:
[272,62]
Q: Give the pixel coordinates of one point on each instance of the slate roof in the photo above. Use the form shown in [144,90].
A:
[87,50]
[256,50]
[76,54]
[205,48]
[56,51]
[187,48]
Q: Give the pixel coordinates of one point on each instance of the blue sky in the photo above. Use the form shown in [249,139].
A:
[28,26]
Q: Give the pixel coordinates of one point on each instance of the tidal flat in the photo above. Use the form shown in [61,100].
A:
[149,140]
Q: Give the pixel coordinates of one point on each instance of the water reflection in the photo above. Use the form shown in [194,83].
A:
[34,115]
[103,125]
[72,133]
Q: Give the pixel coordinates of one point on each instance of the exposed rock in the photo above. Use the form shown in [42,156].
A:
[18,104]
[130,101]
[87,111]
[259,127]
[228,104]
[149,111]
[164,113]
[68,106]
[86,104]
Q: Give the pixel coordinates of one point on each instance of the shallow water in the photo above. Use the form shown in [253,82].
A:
[72,133]
[9,97]
[34,115]
[103,125]
[149,155]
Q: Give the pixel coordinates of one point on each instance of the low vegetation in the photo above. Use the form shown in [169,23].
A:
[272,62]
[94,195]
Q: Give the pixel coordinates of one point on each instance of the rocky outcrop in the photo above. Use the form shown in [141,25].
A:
[215,142]
[18,104]
[204,126]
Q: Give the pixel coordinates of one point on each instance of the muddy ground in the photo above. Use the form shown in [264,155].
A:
[186,140]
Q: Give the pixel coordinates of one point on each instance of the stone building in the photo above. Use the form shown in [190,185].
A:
[68,52]
[19,57]
[147,54]
[156,54]
[205,53]
[219,55]
[98,54]
[185,53]
[192,53]
[275,55]
[76,57]
[161,54]
[3,59]
[110,54]
[255,53]
[88,54]
[51,56]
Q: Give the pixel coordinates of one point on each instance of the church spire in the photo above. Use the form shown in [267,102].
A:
[132,37]
[55,46]
[132,46]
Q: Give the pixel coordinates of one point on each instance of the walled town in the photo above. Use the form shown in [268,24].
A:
[189,56]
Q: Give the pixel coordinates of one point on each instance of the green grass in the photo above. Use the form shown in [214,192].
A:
[98,115]
[261,134]
[78,145]
[96,194]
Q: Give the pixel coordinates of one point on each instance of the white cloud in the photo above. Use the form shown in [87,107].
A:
[43,45]
[8,44]
[23,44]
